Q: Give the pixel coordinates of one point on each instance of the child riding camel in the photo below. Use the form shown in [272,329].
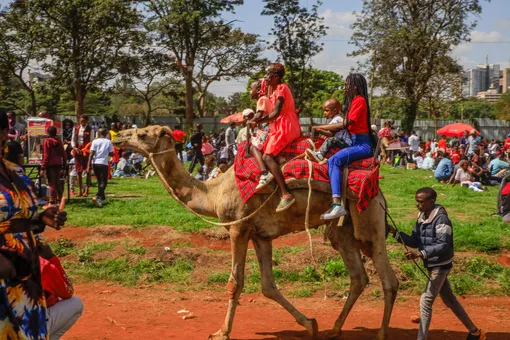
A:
[286,130]
[337,138]
[357,121]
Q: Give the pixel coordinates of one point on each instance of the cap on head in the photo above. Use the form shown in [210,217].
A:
[473,132]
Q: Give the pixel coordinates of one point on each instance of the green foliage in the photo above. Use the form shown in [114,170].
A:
[297,31]
[301,293]
[85,254]
[473,108]
[62,247]
[218,277]
[335,268]
[463,284]
[121,270]
[502,107]
[136,250]
[310,274]
[409,44]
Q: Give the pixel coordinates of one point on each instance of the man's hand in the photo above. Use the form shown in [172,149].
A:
[87,170]
[391,229]
[53,217]
[411,255]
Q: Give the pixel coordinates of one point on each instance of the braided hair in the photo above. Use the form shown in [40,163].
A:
[356,81]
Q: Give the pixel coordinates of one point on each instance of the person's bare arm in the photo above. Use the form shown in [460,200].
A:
[324,132]
[276,112]
[89,164]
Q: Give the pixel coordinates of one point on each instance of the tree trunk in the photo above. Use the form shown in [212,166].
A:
[407,123]
[189,100]
[147,121]
[201,104]
[79,101]
[33,104]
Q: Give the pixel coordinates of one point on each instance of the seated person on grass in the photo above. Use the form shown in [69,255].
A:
[444,168]
[464,177]
[498,166]
[124,169]
[336,138]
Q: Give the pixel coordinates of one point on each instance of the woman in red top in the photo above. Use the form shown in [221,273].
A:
[286,130]
[357,121]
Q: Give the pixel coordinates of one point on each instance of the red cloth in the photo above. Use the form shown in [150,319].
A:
[286,125]
[506,190]
[455,157]
[384,132]
[207,148]
[507,143]
[53,153]
[178,135]
[442,144]
[427,146]
[56,284]
[362,179]
[358,114]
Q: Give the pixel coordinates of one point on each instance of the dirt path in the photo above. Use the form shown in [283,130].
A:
[116,312]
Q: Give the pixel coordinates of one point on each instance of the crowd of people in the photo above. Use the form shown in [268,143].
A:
[470,161]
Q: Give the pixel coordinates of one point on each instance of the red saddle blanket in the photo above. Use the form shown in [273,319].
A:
[363,177]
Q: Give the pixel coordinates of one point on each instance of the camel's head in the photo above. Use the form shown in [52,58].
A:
[146,140]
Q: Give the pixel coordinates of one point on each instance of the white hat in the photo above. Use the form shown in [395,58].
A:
[473,131]
[247,113]
[134,126]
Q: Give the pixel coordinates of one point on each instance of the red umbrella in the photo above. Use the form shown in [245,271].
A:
[456,129]
[235,118]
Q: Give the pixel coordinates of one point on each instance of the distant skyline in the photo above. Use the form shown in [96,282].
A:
[491,37]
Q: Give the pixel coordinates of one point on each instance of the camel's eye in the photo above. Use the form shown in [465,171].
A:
[142,135]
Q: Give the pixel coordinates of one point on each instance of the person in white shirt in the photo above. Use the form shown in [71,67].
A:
[339,138]
[230,140]
[100,150]
[414,142]
[433,145]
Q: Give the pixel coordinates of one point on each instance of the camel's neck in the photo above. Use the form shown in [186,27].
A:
[194,193]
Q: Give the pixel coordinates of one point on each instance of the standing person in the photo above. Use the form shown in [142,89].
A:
[433,145]
[14,149]
[286,130]
[230,140]
[19,127]
[385,135]
[442,143]
[64,309]
[464,142]
[414,142]
[474,141]
[196,145]
[67,130]
[22,303]
[432,235]
[179,137]
[54,158]
[454,142]
[82,135]
[336,138]
[114,131]
[100,150]
[357,121]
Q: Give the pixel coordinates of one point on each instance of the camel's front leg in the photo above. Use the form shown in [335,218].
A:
[239,244]
[264,250]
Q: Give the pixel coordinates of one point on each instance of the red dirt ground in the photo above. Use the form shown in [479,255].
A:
[116,312]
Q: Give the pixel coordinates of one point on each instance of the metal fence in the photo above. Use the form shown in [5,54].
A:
[489,128]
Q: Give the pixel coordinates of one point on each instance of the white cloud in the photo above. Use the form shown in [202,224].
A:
[493,36]
[462,49]
[338,23]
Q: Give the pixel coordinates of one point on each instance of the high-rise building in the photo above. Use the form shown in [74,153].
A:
[504,80]
[481,78]
[491,95]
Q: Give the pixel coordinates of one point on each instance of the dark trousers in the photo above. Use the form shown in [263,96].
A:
[198,157]
[56,189]
[101,172]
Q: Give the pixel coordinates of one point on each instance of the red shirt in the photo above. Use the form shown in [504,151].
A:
[358,114]
[442,144]
[178,135]
[53,153]
[56,284]
[427,146]
[455,157]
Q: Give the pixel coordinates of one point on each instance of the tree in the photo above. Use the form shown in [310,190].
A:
[410,41]
[20,50]
[473,108]
[148,78]
[297,31]
[201,42]
[503,106]
[87,42]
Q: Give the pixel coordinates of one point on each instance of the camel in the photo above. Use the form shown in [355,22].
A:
[220,198]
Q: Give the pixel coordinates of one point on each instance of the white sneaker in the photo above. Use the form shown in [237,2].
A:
[97,201]
[334,212]
[264,180]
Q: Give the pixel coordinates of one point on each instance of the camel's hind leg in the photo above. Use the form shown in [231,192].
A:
[239,243]
[342,239]
[264,250]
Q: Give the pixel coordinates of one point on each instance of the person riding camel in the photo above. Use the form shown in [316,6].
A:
[286,130]
[357,121]
[337,138]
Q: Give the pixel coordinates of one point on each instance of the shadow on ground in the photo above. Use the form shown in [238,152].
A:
[370,334]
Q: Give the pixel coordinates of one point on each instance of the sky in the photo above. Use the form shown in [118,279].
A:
[491,37]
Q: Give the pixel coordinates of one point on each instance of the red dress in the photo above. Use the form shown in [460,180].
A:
[286,126]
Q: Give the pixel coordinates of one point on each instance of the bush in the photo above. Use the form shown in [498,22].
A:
[335,268]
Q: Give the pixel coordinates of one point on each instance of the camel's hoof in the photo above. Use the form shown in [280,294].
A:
[381,336]
[218,336]
[312,327]
[332,334]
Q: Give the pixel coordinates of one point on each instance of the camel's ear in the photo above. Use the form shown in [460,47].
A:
[165,130]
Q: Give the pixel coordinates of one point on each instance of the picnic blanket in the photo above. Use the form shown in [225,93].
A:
[363,177]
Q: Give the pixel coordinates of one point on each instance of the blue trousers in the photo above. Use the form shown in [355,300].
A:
[361,148]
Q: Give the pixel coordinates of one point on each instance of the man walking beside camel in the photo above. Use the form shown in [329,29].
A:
[433,237]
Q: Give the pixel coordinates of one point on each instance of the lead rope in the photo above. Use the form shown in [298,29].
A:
[175,197]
